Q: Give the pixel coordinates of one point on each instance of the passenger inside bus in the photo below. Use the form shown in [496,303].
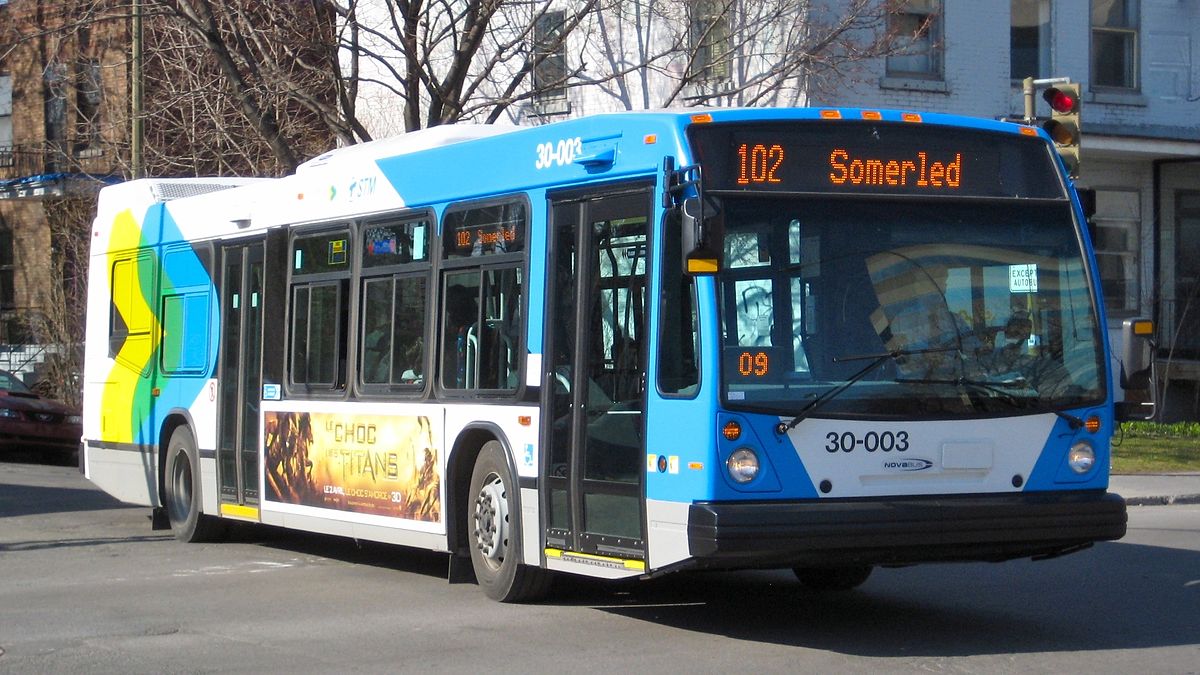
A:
[462,314]
[377,349]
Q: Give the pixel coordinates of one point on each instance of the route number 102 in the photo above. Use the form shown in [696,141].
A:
[759,163]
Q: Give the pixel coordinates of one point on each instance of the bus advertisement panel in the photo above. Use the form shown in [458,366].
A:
[384,465]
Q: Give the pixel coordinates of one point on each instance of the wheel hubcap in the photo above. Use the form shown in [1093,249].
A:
[491,520]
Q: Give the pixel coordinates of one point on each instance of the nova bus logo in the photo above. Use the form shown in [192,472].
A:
[909,464]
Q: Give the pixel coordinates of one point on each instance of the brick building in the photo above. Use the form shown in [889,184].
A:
[62,97]
[65,120]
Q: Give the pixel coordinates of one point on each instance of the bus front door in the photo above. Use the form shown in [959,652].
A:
[240,375]
[594,390]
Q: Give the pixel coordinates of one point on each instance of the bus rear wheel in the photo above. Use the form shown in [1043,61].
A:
[833,578]
[182,491]
[494,529]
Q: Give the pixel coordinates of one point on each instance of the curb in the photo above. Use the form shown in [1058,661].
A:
[1163,501]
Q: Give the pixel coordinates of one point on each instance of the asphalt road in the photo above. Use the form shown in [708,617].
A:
[87,586]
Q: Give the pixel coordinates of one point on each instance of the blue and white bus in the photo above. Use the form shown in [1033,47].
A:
[620,346]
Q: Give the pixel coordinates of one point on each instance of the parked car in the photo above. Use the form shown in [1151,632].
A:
[29,421]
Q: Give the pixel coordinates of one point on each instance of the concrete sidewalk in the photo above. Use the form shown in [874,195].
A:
[1157,488]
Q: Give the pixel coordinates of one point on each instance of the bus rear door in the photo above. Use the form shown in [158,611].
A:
[240,368]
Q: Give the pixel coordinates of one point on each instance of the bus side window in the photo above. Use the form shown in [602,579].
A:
[130,312]
[460,334]
[395,266]
[408,331]
[377,330]
[482,330]
[319,308]
[501,334]
[318,335]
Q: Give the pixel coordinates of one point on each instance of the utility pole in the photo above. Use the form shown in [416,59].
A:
[136,134]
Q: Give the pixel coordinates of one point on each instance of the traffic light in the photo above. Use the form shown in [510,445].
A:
[1063,125]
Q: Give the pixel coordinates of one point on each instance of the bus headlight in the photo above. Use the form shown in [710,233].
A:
[742,465]
[1082,457]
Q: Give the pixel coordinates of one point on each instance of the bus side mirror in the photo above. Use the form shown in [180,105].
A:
[1137,370]
[700,258]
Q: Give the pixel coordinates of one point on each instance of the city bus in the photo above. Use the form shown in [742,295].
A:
[621,346]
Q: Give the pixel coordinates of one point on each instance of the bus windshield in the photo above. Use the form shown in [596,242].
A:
[903,308]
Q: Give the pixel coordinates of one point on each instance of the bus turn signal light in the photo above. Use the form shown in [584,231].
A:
[732,431]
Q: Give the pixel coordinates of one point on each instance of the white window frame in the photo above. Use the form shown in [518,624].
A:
[1044,10]
[1118,210]
[708,37]
[919,29]
[1130,31]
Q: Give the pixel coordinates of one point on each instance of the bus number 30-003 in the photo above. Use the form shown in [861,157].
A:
[872,441]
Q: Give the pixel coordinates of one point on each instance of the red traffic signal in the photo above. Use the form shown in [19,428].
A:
[1063,126]
[1061,101]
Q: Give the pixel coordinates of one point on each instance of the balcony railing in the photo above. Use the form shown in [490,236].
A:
[71,156]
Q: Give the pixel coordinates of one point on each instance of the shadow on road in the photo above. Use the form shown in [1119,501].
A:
[26,500]
[49,544]
[399,558]
[1116,596]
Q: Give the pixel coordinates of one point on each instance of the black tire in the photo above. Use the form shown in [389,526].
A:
[493,521]
[833,578]
[181,491]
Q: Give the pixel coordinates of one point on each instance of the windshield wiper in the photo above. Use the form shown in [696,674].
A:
[876,361]
[998,388]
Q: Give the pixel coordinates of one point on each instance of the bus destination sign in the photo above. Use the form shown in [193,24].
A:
[759,163]
[875,158]
[484,230]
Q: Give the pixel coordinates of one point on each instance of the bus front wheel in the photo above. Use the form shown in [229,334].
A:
[833,578]
[494,527]
[182,490]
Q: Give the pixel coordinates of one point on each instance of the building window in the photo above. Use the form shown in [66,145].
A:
[708,35]
[1115,229]
[550,54]
[1182,302]
[1115,44]
[1029,39]
[6,130]
[917,27]
[7,268]
[88,92]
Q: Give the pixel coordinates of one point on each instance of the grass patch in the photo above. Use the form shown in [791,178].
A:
[1149,447]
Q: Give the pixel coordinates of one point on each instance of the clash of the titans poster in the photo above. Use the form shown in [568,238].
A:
[383,465]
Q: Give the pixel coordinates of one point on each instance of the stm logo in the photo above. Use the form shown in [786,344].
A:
[907,464]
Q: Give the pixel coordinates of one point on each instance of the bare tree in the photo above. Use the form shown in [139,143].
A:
[238,86]
[390,66]
[445,62]
[663,53]
[60,322]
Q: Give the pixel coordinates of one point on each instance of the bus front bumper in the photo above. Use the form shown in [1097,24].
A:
[901,530]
